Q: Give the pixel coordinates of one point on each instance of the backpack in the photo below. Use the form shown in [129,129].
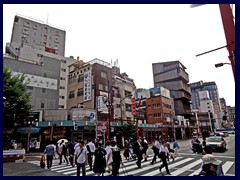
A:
[116,155]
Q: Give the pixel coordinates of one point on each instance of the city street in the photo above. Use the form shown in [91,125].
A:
[187,165]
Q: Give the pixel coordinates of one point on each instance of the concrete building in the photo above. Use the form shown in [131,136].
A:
[211,87]
[86,82]
[159,109]
[172,75]
[213,99]
[46,81]
[124,89]
[142,93]
[231,116]
[38,35]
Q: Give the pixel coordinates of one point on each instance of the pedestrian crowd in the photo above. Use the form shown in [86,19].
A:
[101,159]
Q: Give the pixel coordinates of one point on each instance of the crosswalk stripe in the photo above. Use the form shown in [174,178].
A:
[195,172]
[185,168]
[146,170]
[139,170]
[226,166]
[155,172]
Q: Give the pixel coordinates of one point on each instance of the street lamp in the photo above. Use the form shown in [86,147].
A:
[221,64]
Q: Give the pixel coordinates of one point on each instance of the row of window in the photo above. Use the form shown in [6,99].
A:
[155,115]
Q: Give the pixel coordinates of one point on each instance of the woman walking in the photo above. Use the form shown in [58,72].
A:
[100,161]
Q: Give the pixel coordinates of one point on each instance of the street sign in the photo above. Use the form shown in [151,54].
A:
[91,115]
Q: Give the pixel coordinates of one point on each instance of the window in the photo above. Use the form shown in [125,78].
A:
[106,87]
[103,75]
[25,31]
[62,69]
[80,92]
[26,24]
[62,87]
[56,40]
[62,78]
[45,30]
[35,27]
[71,94]
[100,87]
[45,75]
[72,79]
[45,37]
[30,87]
[80,77]
[64,61]
[61,97]
[42,105]
[61,106]
[157,115]
[43,90]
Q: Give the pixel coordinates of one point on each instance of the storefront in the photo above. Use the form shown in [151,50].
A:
[35,138]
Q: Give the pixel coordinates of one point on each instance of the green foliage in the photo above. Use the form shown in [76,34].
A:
[17,103]
[129,131]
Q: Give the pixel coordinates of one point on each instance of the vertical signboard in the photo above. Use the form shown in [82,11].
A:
[134,107]
[87,90]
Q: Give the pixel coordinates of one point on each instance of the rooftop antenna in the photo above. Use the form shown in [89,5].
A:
[47,17]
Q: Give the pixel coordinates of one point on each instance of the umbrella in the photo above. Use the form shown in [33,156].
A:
[60,140]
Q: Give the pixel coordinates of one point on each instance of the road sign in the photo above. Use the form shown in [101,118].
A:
[91,115]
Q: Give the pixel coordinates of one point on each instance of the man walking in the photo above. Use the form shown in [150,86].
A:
[138,151]
[156,148]
[163,154]
[80,155]
[50,151]
[90,151]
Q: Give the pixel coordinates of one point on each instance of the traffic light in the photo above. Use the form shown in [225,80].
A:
[75,126]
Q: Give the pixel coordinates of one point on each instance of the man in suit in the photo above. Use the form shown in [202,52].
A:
[138,151]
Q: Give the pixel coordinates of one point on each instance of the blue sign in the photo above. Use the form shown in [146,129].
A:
[91,115]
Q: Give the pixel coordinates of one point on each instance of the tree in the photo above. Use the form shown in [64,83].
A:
[129,131]
[17,102]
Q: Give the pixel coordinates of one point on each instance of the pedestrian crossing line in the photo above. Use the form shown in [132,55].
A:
[59,168]
[63,170]
[144,168]
[195,172]
[155,172]
[187,167]
[226,166]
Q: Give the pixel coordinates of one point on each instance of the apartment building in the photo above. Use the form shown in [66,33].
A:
[38,35]
[172,75]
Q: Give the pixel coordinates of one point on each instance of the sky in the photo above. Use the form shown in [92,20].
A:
[139,35]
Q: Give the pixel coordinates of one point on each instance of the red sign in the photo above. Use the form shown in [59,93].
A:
[134,107]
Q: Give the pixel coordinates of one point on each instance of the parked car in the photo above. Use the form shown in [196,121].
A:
[216,143]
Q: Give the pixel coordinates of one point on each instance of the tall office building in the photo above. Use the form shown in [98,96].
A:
[37,35]
[172,75]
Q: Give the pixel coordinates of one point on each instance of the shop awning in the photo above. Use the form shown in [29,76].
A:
[24,130]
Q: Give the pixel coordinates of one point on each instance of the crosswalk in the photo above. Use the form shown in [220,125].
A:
[181,166]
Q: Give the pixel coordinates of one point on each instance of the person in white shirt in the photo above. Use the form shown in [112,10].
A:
[156,147]
[90,151]
[108,156]
[80,155]
[163,151]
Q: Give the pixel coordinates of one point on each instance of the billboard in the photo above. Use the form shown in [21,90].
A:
[158,90]
[87,90]
[102,102]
